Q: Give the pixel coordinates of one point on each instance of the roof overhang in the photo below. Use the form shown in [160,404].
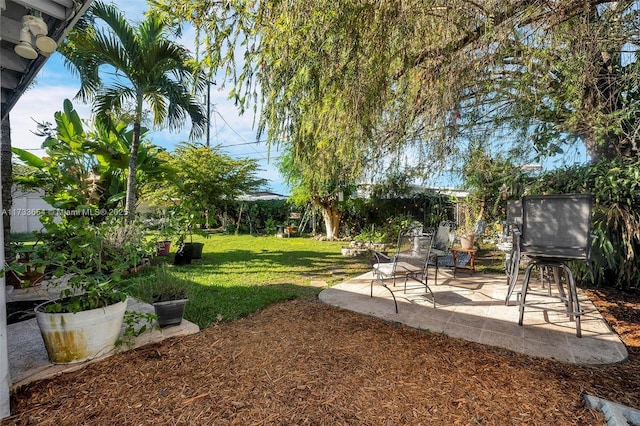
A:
[17,73]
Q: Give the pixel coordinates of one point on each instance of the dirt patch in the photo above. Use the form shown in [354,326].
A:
[303,362]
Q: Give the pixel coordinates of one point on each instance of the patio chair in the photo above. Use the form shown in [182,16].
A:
[555,229]
[439,254]
[511,244]
[409,262]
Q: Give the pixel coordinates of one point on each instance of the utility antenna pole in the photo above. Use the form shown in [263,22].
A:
[209,83]
[209,113]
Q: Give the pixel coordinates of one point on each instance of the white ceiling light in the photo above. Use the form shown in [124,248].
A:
[39,29]
[34,25]
[25,48]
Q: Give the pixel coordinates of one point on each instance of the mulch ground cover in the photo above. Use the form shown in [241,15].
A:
[302,362]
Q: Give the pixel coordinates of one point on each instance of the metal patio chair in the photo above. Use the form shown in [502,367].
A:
[555,229]
[511,244]
[409,262]
[439,255]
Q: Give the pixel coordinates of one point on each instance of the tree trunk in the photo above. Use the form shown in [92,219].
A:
[7,181]
[331,215]
[130,203]
[313,221]
[239,219]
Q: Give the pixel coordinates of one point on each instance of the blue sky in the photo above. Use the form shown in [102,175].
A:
[228,129]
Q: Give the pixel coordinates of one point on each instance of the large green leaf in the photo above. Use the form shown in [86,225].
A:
[28,157]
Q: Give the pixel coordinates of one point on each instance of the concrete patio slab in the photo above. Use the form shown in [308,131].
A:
[472,307]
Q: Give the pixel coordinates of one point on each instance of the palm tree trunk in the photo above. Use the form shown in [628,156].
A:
[7,181]
[130,203]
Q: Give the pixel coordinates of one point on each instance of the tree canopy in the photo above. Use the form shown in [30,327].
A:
[381,88]
[203,179]
[84,169]
[387,75]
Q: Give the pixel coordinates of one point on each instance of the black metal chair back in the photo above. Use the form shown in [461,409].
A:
[441,239]
[556,226]
[514,212]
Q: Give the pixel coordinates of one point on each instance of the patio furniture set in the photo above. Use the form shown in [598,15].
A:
[545,232]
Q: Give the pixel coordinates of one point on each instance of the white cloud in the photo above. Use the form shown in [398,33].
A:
[37,105]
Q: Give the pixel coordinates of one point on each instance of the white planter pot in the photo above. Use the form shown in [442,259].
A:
[81,336]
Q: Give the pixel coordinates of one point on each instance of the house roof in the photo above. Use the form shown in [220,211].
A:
[264,195]
[17,73]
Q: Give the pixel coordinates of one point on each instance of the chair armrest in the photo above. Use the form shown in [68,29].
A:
[379,258]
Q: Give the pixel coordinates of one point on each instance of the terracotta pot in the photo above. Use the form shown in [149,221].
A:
[30,278]
[466,241]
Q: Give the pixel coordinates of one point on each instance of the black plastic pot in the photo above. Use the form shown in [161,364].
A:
[196,250]
[170,312]
[183,255]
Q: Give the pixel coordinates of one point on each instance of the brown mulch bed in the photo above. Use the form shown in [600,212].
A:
[303,362]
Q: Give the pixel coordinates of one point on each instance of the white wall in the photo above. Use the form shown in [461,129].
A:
[24,212]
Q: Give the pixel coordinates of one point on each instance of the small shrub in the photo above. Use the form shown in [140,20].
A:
[163,286]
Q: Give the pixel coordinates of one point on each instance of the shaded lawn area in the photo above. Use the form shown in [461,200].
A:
[242,274]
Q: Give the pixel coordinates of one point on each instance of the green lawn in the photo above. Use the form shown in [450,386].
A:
[242,274]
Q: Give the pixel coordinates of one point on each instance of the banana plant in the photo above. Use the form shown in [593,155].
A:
[85,166]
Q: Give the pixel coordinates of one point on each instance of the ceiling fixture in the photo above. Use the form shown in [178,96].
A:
[34,25]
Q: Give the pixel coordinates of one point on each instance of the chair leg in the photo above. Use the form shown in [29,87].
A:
[395,302]
[523,294]
[574,303]
[558,279]
[433,297]
[512,276]
[426,275]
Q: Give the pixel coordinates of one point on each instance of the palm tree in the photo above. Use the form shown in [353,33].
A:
[147,69]
[7,181]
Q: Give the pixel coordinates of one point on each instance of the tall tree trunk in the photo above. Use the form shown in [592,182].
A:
[331,215]
[130,203]
[239,219]
[7,181]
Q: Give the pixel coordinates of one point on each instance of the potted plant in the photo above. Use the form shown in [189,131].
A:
[86,320]
[168,294]
[187,224]
[29,265]
[466,236]
[166,233]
